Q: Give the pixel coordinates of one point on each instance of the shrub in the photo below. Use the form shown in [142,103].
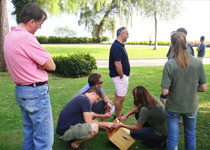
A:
[147,42]
[164,43]
[54,39]
[105,38]
[75,65]
[42,39]
[70,40]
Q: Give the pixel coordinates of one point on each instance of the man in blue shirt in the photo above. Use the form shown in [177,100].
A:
[201,49]
[104,105]
[189,47]
[76,121]
[119,69]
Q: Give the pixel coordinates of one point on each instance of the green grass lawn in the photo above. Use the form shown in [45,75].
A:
[102,51]
[63,89]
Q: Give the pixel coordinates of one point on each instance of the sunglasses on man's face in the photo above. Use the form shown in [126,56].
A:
[100,82]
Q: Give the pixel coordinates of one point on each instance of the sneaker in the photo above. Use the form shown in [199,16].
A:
[162,146]
[115,117]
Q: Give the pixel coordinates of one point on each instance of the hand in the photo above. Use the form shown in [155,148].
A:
[123,118]
[116,125]
[40,67]
[107,115]
[109,125]
[121,77]
[110,101]
[109,105]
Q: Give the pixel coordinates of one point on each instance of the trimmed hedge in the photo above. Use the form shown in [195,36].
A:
[70,40]
[76,65]
[147,42]
[166,43]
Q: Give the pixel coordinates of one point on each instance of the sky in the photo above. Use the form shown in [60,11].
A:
[195,18]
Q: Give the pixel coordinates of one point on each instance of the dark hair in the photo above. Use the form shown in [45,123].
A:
[31,11]
[93,79]
[142,97]
[183,30]
[202,38]
[178,40]
[120,30]
[94,89]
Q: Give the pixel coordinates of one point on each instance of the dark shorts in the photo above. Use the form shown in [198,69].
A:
[98,107]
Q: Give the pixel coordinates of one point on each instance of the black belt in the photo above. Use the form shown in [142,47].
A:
[36,84]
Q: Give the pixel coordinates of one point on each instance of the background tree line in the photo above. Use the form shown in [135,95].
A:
[98,16]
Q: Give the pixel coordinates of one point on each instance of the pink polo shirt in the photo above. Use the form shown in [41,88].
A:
[22,53]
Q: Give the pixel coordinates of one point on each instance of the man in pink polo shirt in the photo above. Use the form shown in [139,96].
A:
[27,60]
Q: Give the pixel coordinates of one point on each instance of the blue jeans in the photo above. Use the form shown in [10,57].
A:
[147,135]
[34,103]
[189,122]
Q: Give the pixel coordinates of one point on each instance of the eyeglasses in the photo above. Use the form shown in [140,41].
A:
[101,82]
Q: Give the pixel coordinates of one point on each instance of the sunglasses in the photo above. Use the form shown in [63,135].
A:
[172,33]
[101,82]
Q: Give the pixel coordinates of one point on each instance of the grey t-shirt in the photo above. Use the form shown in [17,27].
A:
[182,85]
[154,117]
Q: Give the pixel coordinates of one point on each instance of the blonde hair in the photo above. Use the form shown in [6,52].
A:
[179,43]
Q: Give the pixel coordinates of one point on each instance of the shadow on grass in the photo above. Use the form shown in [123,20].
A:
[99,142]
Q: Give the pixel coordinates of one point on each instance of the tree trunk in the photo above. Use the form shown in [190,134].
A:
[100,26]
[155,46]
[4,28]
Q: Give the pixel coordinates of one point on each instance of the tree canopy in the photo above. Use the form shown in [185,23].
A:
[160,10]
[53,7]
[64,31]
[101,17]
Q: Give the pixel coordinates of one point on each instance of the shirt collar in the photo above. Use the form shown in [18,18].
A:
[18,28]
[120,43]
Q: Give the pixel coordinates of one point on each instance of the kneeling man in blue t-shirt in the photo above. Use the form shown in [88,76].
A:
[76,119]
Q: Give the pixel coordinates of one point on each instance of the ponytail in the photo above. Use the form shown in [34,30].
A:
[179,43]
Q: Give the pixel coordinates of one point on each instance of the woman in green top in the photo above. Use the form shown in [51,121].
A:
[150,114]
[183,76]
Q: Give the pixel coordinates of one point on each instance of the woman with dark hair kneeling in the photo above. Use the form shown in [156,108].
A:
[150,113]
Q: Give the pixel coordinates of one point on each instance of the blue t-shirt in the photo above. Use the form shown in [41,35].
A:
[118,53]
[189,47]
[87,86]
[202,48]
[72,113]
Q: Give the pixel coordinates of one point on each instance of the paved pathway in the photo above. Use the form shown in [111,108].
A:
[104,63]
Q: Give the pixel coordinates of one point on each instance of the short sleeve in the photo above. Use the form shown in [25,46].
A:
[36,52]
[166,77]
[201,46]
[143,115]
[85,105]
[202,79]
[84,89]
[102,91]
[117,52]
